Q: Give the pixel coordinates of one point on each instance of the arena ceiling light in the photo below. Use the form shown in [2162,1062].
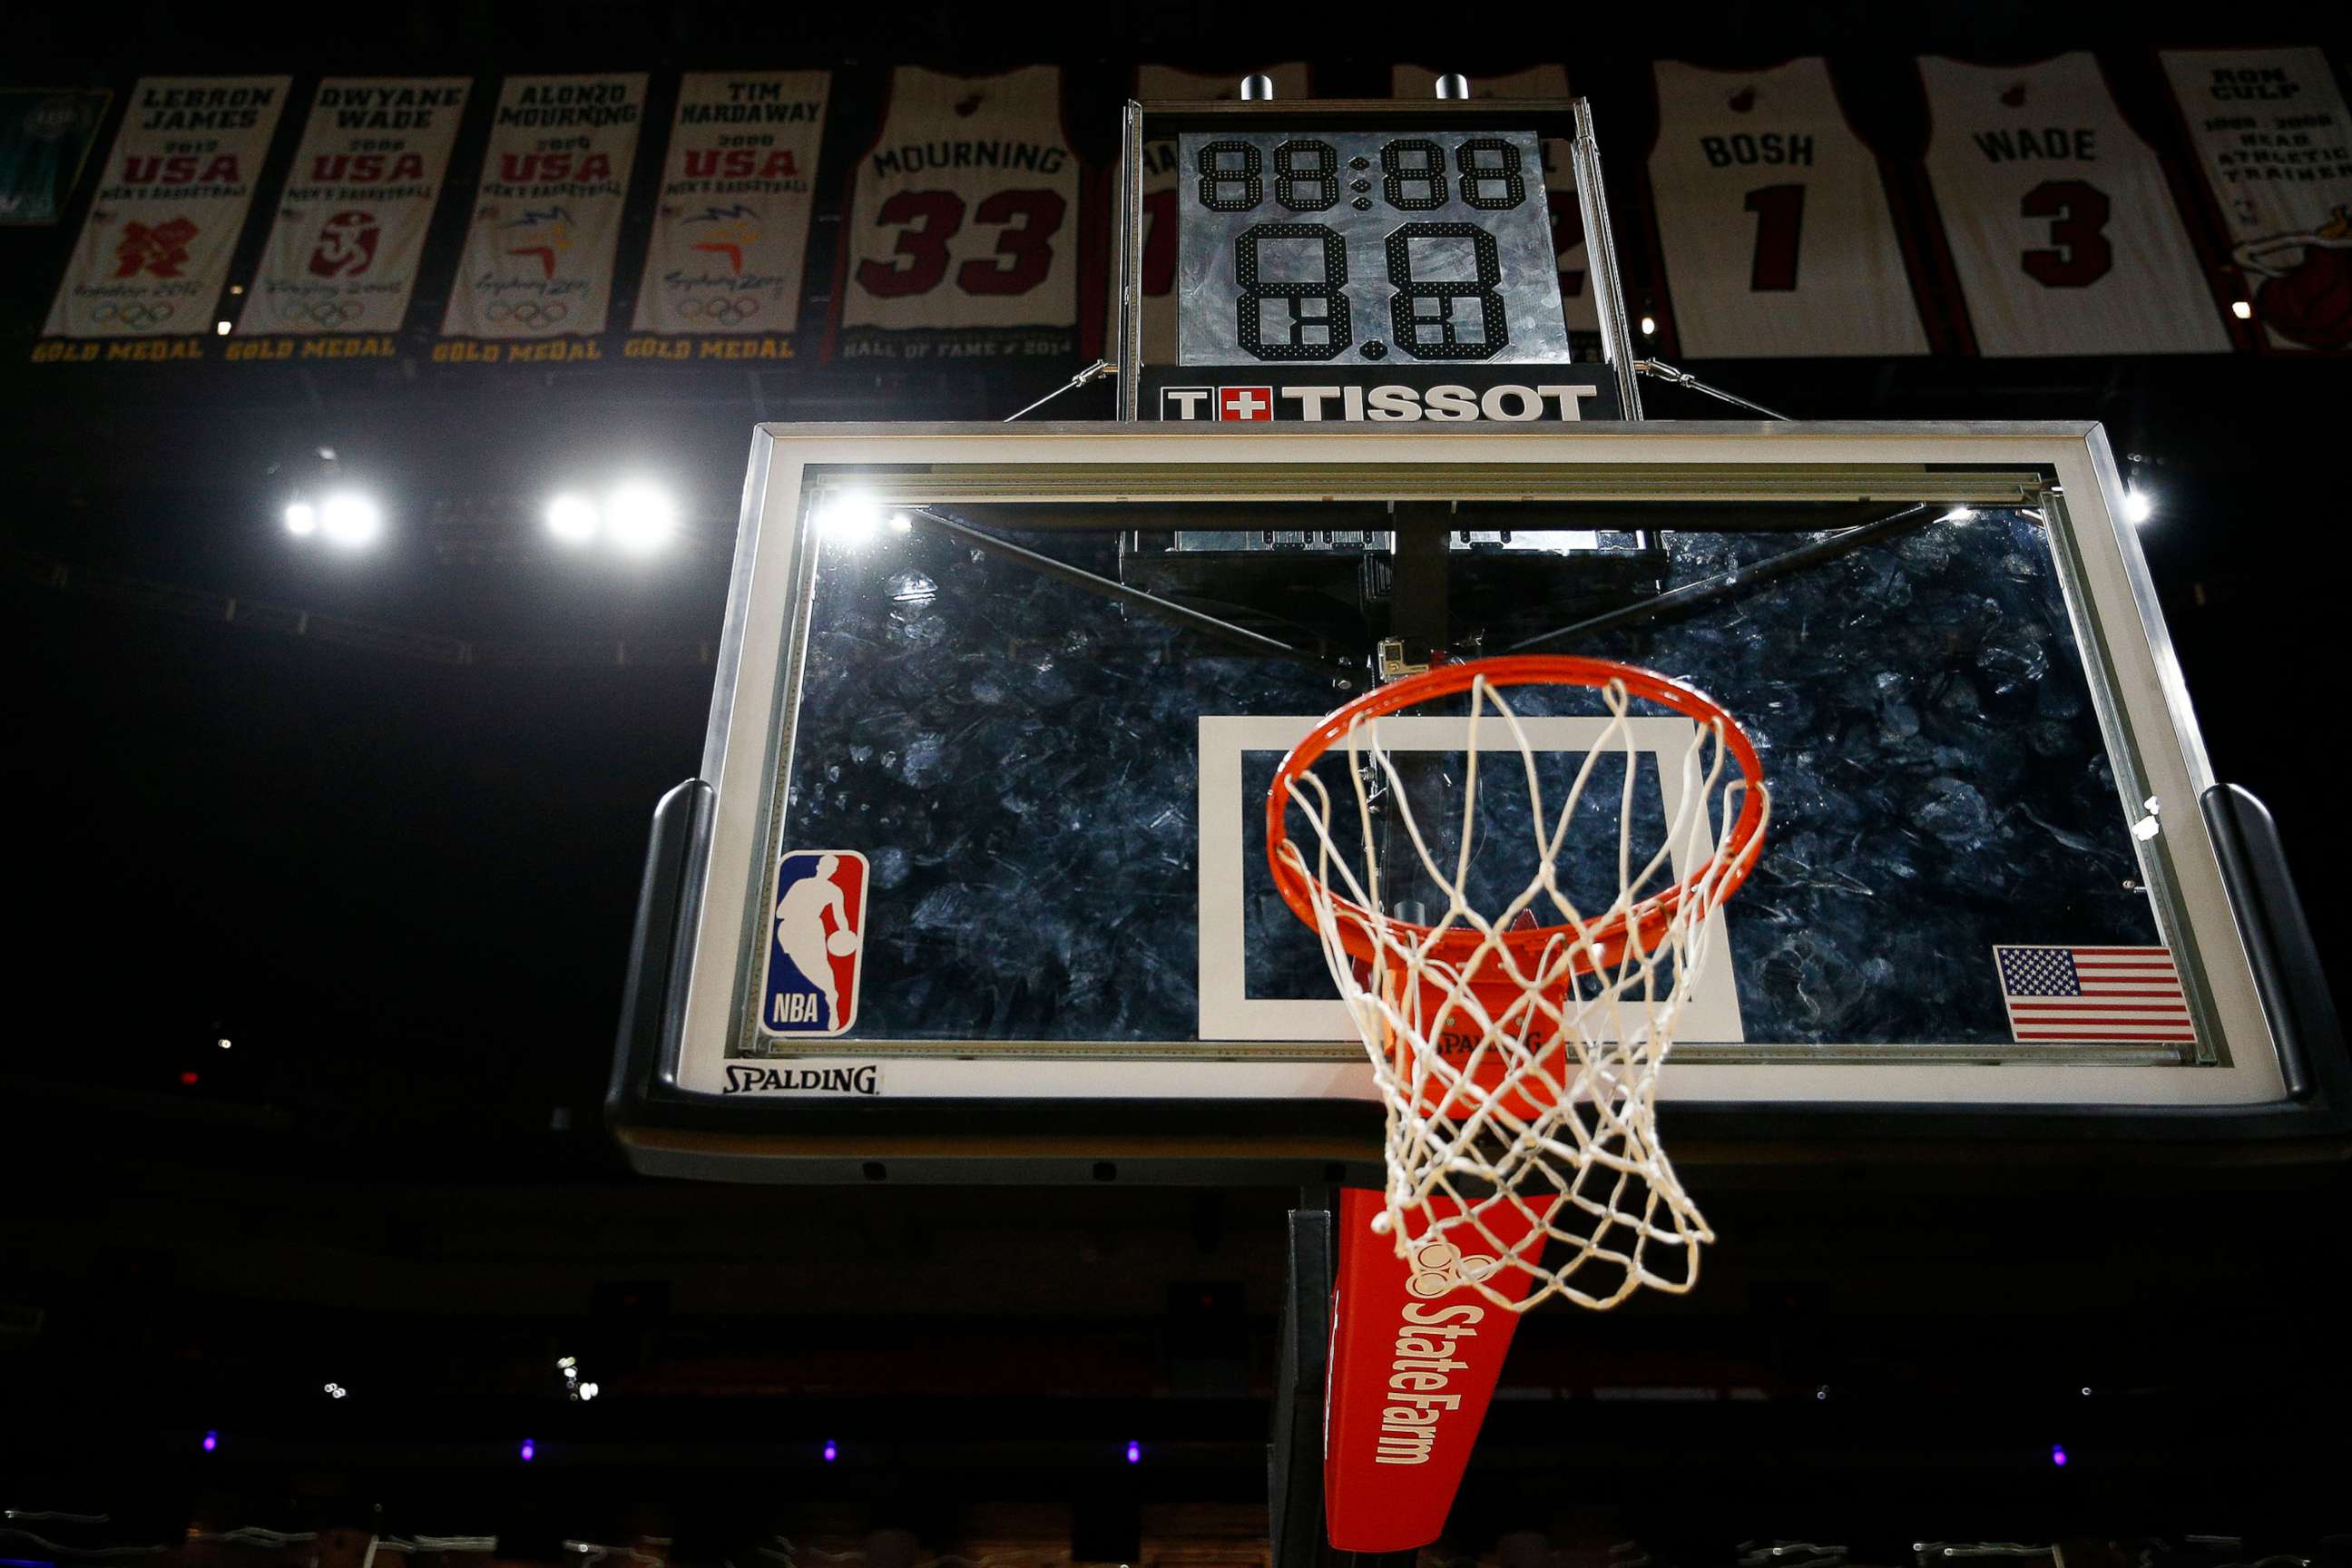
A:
[301,518]
[351,520]
[2138,506]
[639,518]
[574,519]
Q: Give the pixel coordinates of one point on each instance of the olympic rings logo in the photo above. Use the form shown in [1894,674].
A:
[720,312]
[133,314]
[530,313]
[323,312]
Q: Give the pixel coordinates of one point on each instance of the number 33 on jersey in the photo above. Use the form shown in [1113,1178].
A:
[962,238]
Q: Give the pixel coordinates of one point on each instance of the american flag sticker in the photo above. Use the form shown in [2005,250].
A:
[2061,994]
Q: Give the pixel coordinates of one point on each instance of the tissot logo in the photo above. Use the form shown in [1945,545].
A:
[742,1078]
[1507,403]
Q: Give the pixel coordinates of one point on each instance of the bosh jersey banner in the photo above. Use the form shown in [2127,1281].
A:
[962,238]
[728,237]
[539,250]
[2271,129]
[343,251]
[155,252]
[817,944]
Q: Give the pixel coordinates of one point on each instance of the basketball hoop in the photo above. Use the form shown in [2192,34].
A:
[1517,1046]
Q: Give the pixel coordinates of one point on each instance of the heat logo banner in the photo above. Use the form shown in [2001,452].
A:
[152,259]
[344,248]
[547,215]
[817,944]
[731,230]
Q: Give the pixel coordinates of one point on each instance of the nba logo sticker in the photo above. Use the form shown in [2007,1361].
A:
[817,944]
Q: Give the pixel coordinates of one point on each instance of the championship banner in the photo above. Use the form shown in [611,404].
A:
[722,277]
[1166,84]
[1576,304]
[2061,227]
[2271,129]
[154,254]
[538,249]
[45,139]
[343,253]
[1773,218]
[962,240]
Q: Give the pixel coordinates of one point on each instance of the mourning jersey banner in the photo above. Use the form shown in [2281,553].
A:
[2270,129]
[1773,220]
[731,230]
[1161,84]
[538,251]
[2062,229]
[155,252]
[344,249]
[1560,179]
[45,137]
[962,241]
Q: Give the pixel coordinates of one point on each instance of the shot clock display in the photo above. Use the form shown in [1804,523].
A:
[1365,247]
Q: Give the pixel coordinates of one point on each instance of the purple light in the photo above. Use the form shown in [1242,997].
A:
[212,1441]
[529,1450]
[1134,1453]
[831,1453]
[2058,1455]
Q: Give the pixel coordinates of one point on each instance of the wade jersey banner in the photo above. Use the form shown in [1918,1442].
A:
[45,138]
[538,249]
[2061,228]
[2270,129]
[154,254]
[1773,218]
[963,242]
[343,249]
[1418,82]
[1164,84]
[723,267]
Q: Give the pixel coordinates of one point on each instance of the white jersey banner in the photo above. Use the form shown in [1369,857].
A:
[1773,218]
[153,254]
[538,249]
[2271,129]
[343,250]
[731,231]
[962,240]
[1559,177]
[2062,229]
[1163,84]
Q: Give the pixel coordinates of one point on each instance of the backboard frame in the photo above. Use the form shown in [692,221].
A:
[1048,1116]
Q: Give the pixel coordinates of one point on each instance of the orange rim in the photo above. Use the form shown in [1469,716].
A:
[1605,941]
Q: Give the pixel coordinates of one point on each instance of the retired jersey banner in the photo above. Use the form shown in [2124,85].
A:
[2061,227]
[45,137]
[547,215]
[343,253]
[1161,84]
[723,271]
[962,240]
[2271,129]
[1773,220]
[1559,183]
[154,254]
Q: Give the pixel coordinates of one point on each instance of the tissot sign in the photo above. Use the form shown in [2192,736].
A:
[1248,394]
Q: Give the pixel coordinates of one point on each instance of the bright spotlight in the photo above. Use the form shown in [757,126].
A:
[640,518]
[901,523]
[851,518]
[351,519]
[1649,326]
[573,519]
[2242,308]
[2138,507]
[220,329]
[301,518]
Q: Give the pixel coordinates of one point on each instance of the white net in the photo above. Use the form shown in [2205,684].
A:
[1517,1046]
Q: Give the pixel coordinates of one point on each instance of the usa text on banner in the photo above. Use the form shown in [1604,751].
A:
[1773,220]
[343,251]
[45,137]
[1560,180]
[538,251]
[962,241]
[2270,127]
[2061,228]
[153,254]
[1166,84]
[729,235]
